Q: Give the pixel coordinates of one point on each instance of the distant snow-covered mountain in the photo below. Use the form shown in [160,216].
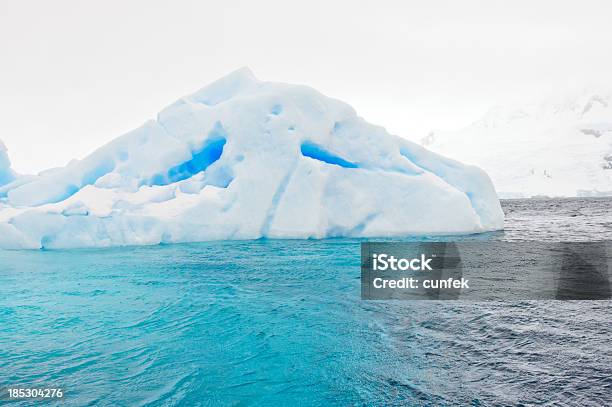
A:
[560,146]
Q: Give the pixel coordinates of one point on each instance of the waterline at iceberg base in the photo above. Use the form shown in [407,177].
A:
[245,159]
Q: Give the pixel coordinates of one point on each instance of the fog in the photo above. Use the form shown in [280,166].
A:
[77,74]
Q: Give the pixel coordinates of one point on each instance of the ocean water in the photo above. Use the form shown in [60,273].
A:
[274,322]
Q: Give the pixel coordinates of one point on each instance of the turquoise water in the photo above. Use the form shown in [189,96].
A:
[213,323]
[282,323]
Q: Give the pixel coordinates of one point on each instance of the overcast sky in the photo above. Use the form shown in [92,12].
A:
[75,74]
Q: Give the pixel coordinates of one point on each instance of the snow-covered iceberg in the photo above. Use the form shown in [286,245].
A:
[245,159]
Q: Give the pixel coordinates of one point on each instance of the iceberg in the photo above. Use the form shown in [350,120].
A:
[248,159]
[6,174]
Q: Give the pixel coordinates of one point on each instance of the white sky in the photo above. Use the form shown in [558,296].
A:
[75,74]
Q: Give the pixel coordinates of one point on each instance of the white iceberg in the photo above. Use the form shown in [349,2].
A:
[246,159]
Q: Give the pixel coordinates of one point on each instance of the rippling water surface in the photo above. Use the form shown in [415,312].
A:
[282,323]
